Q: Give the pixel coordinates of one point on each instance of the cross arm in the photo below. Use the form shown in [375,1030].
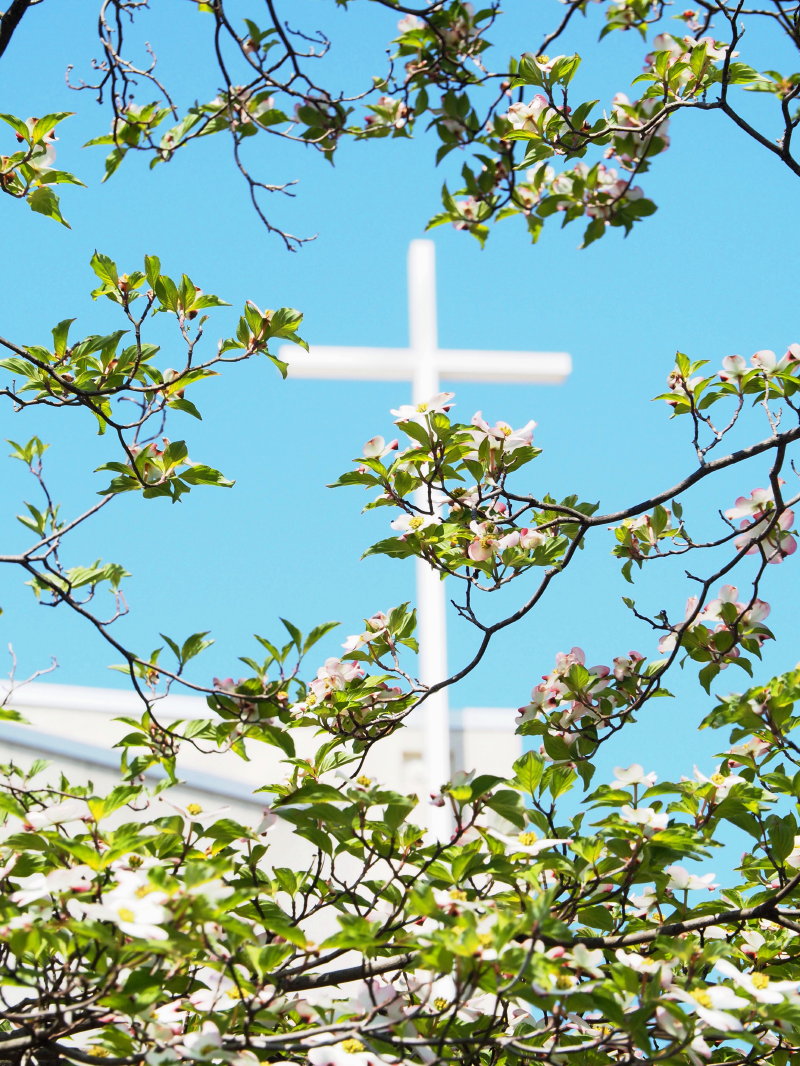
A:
[454,364]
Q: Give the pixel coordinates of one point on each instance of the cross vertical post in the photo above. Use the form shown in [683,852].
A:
[431,601]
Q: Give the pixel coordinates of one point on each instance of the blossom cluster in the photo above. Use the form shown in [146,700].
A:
[573,692]
[735,622]
[766,528]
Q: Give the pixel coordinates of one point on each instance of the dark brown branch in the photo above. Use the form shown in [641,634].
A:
[11,19]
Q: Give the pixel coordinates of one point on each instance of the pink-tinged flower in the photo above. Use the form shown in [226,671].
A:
[642,527]
[565,659]
[669,640]
[266,821]
[753,748]
[377,448]
[793,859]
[528,116]
[531,538]
[759,986]
[660,968]
[751,942]
[544,699]
[420,412]
[625,666]
[587,960]
[485,543]
[528,843]
[751,615]
[526,539]
[133,905]
[195,812]
[760,507]
[501,433]
[665,42]
[734,368]
[554,689]
[220,992]
[681,880]
[334,677]
[72,879]
[755,505]
[632,117]
[469,211]
[414,523]
[387,111]
[643,902]
[376,996]
[454,901]
[776,543]
[165,1022]
[634,774]
[713,1004]
[70,810]
[376,627]
[768,363]
[714,49]
[680,386]
[509,540]
[203,1045]
[410,23]
[722,783]
[651,820]
[346,1053]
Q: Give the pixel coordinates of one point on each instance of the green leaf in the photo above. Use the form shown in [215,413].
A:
[528,771]
[17,125]
[105,268]
[199,474]
[44,125]
[60,333]
[152,269]
[45,202]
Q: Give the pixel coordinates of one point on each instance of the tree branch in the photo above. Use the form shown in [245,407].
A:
[11,19]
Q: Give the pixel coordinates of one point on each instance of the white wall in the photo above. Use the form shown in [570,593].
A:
[75,729]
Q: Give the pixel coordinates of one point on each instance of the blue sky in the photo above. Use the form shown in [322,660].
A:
[712,273]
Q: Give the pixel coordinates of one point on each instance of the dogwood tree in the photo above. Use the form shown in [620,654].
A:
[570,918]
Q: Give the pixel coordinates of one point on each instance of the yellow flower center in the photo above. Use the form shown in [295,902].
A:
[505,430]
[126,914]
[422,408]
[527,839]
[311,699]
[194,808]
[352,1046]
[364,781]
[233,993]
[97,1052]
[717,779]
[565,980]
[457,894]
[415,522]
[702,998]
[440,1003]
[760,980]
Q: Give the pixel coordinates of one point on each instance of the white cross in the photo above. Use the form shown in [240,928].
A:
[424,364]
